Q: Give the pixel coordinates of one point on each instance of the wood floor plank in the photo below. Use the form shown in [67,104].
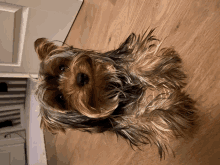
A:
[193,29]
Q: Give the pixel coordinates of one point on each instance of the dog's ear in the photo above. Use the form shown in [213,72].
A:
[43,47]
[127,44]
[52,127]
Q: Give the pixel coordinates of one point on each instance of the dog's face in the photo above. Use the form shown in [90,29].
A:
[77,80]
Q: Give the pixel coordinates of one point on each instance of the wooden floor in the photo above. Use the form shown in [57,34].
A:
[193,29]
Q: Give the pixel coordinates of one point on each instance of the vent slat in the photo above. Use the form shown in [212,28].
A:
[12,96]
[5,116]
[12,107]
[12,93]
[10,112]
[16,89]
[17,85]
[17,121]
[14,81]
[3,79]
[9,102]
[9,118]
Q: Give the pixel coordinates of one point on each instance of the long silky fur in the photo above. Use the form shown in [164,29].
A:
[148,82]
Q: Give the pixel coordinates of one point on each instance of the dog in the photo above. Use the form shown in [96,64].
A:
[135,91]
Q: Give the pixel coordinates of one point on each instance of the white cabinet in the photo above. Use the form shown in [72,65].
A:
[12,148]
[12,155]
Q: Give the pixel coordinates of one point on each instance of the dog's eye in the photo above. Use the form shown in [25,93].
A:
[59,98]
[62,68]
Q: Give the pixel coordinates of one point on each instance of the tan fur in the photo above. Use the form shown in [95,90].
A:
[136,91]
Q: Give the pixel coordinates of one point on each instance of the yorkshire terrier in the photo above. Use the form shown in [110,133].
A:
[135,91]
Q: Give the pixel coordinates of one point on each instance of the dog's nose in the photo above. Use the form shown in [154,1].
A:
[82,79]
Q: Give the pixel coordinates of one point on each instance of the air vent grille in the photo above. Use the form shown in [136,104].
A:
[12,102]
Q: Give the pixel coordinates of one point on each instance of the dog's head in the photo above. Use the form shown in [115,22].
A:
[91,83]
